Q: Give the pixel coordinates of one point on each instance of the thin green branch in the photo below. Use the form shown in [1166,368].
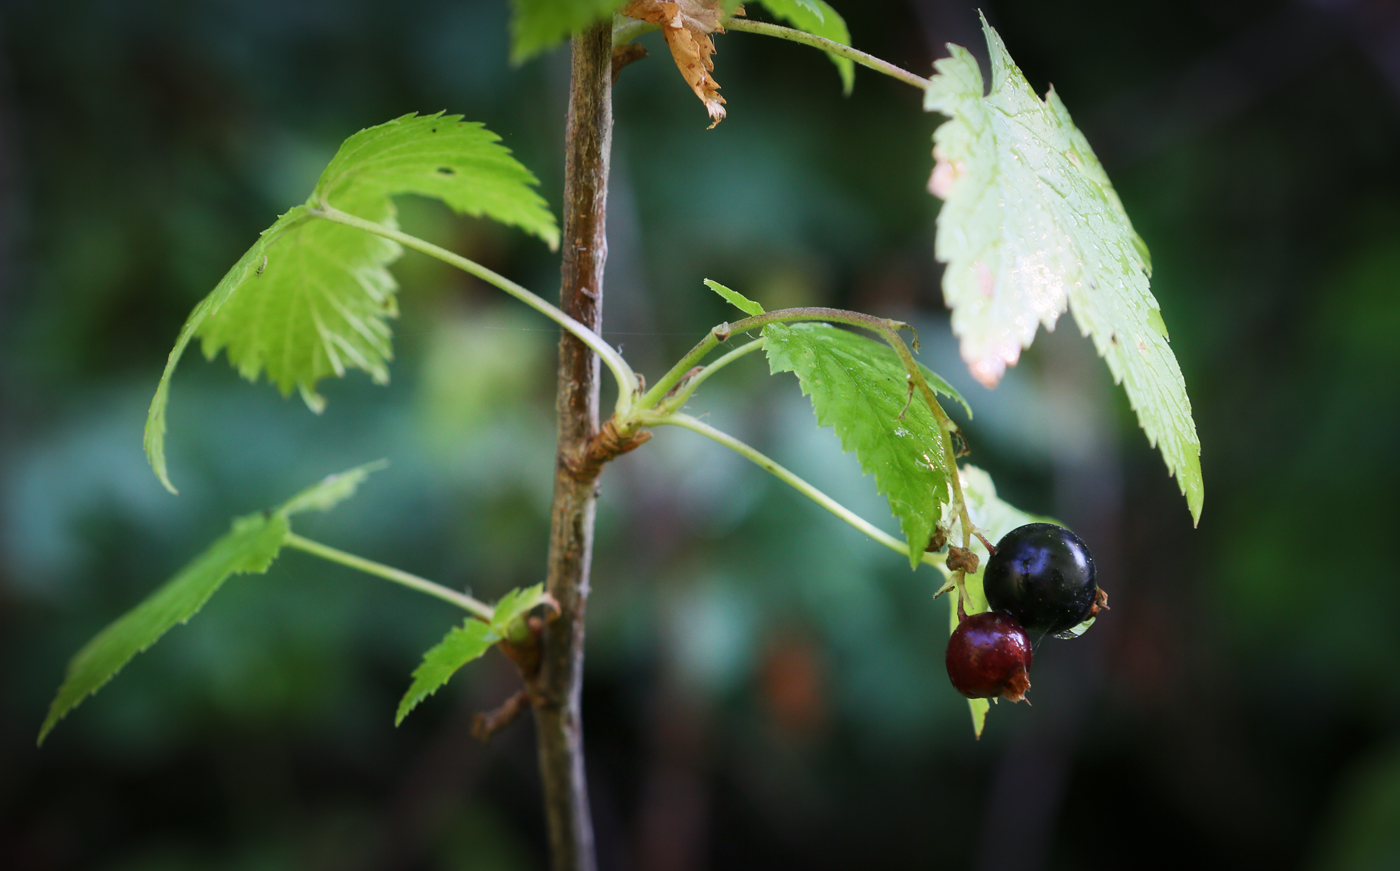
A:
[827,45]
[682,396]
[782,474]
[626,378]
[389,573]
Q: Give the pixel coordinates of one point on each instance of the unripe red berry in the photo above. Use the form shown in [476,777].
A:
[989,655]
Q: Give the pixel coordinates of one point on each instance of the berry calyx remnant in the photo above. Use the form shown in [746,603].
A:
[1043,576]
[989,655]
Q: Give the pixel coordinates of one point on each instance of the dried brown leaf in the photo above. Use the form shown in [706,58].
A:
[687,25]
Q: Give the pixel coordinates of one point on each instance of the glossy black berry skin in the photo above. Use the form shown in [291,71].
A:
[989,655]
[1043,575]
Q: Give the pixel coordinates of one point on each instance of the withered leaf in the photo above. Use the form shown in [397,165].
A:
[687,25]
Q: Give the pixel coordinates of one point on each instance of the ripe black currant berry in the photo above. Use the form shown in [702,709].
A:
[989,655]
[1043,575]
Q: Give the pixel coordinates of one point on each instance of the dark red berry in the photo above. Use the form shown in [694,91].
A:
[989,655]
[1043,575]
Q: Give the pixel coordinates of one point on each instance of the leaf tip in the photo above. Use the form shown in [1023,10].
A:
[49,722]
[314,401]
[979,708]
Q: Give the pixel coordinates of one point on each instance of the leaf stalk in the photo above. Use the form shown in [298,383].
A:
[778,471]
[869,61]
[389,573]
[626,378]
[657,403]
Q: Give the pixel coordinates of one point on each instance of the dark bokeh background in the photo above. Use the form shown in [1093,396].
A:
[765,687]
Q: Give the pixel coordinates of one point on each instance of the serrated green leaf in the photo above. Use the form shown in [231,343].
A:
[316,304]
[439,156]
[1031,224]
[736,299]
[539,24]
[819,19]
[249,547]
[858,387]
[331,490]
[995,518]
[459,647]
[313,298]
[251,265]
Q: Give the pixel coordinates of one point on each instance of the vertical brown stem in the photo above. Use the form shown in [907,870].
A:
[588,140]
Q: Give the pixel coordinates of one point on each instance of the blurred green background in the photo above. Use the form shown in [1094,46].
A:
[765,688]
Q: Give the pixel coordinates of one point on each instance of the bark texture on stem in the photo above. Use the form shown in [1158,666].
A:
[588,141]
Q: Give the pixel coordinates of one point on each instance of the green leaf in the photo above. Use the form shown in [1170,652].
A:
[465,643]
[539,24]
[251,266]
[514,605]
[736,299]
[439,156]
[459,647]
[331,490]
[995,518]
[858,387]
[250,547]
[1031,224]
[313,298]
[819,19]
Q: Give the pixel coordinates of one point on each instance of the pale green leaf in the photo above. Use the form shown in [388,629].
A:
[316,305]
[252,265]
[459,647]
[249,547]
[313,298]
[1030,225]
[309,299]
[995,518]
[735,298]
[858,387]
[331,490]
[539,24]
[439,156]
[819,19]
